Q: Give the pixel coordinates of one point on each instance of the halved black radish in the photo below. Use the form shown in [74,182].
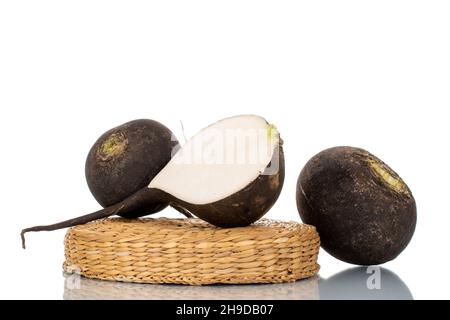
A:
[229,174]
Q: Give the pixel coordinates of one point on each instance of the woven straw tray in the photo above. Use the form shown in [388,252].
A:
[190,251]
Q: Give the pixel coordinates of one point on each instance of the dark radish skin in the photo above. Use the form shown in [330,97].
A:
[126,158]
[237,209]
[365,214]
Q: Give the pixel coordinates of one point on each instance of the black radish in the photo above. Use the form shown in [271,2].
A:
[126,158]
[229,174]
[365,214]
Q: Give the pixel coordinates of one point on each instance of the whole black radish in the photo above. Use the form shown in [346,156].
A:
[365,214]
[126,158]
[229,174]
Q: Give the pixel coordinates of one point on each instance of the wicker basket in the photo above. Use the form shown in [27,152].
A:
[190,251]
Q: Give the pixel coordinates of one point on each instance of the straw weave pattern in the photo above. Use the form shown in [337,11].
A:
[190,251]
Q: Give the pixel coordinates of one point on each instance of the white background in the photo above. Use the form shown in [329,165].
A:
[373,74]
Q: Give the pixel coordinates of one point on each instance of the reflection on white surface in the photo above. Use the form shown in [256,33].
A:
[80,288]
[361,283]
[355,283]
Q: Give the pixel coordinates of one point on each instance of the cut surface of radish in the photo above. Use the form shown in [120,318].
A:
[220,160]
